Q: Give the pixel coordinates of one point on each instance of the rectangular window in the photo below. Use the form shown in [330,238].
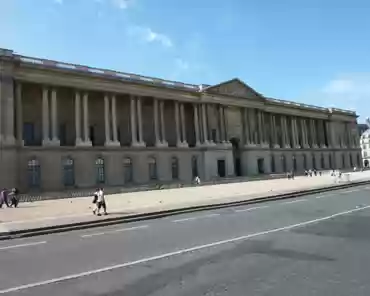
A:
[63,134]
[29,134]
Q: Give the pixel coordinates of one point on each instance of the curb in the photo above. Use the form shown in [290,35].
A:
[165,213]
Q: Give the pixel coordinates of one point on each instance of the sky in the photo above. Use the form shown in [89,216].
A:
[311,51]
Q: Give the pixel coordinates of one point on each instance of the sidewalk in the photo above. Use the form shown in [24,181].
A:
[76,210]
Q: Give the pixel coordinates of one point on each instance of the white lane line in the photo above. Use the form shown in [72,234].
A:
[349,191]
[22,245]
[114,231]
[176,253]
[294,201]
[250,209]
[195,218]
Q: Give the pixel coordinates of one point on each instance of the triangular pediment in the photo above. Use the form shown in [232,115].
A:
[235,88]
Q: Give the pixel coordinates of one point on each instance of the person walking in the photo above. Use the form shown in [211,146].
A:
[13,195]
[4,198]
[101,202]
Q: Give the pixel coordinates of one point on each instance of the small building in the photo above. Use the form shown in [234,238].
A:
[365,145]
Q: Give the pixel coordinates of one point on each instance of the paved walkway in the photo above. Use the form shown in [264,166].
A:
[71,210]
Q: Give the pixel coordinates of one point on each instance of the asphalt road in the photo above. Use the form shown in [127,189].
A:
[312,245]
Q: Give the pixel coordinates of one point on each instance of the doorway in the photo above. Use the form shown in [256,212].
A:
[221,168]
[261,165]
[235,142]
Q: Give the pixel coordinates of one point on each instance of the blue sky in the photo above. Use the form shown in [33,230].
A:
[312,51]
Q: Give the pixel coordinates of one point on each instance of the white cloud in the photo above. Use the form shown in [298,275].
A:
[121,4]
[148,35]
[58,1]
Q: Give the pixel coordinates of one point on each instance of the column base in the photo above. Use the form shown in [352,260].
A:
[250,145]
[297,147]
[276,146]
[54,142]
[315,146]
[182,145]
[138,145]
[81,143]
[161,144]
[306,146]
[198,144]
[112,144]
[265,145]
[287,147]
[323,146]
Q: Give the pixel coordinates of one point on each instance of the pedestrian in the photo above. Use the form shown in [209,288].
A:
[197,180]
[4,198]
[95,201]
[13,195]
[101,202]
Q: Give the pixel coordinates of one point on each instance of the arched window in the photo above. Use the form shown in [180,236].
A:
[273,166]
[175,168]
[127,170]
[305,161]
[194,166]
[68,171]
[152,166]
[100,170]
[322,161]
[283,163]
[34,173]
[294,159]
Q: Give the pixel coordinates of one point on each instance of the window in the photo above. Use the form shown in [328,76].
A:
[194,166]
[294,163]
[358,160]
[273,166]
[351,160]
[322,162]
[63,134]
[175,168]
[331,162]
[29,134]
[305,161]
[313,161]
[127,170]
[100,172]
[214,135]
[34,173]
[283,163]
[343,161]
[68,172]
[152,168]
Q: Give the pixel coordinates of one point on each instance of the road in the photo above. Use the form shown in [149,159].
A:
[312,245]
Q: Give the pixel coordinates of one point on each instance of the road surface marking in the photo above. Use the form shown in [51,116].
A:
[349,191]
[195,218]
[22,245]
[113,231]
[251,209]
[176,253]
[294,201]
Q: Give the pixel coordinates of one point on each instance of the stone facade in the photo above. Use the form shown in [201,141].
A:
[65,125]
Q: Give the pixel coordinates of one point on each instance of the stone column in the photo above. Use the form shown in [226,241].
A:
[183,127]
[204,124]
[275,142]
[114,122]
[313,134]
[133,122]
[78,141]
[156,123]
[222,124]
[196,124]
[54,118]
[163,126]
[45,117]
[87,141]
[19,115]
[304,133]
[140,121]
[106,121]
[283,131]
[294,133]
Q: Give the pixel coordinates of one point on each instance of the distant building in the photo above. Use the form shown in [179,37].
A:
[362,127]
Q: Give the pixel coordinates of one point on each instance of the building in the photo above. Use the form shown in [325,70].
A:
[64,125]
[362,127]
[365,143]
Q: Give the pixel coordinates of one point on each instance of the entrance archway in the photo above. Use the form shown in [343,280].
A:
[235,142]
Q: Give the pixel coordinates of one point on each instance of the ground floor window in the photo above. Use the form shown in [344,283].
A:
[314,162]
[351,160]
[175,168]
[358,160]
[127,170]
[194,166]
[273,166]
[295,168]
[331,161]
[152,166]
[343,161]
[100,170]
[305,161]
[34,173]
[68,172]
[322,162]
[283,164]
